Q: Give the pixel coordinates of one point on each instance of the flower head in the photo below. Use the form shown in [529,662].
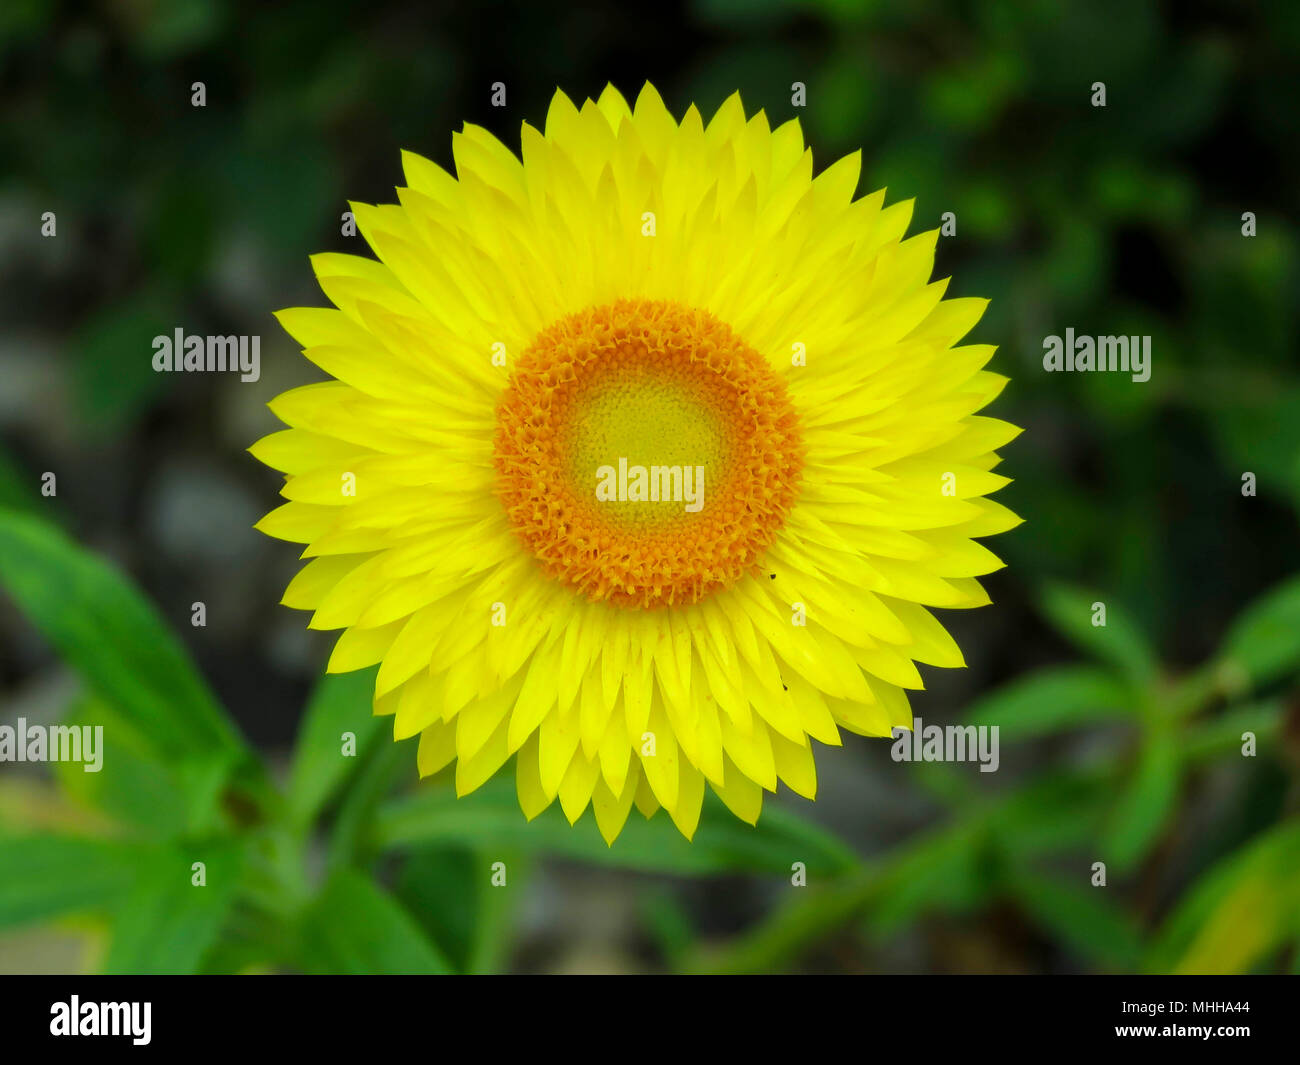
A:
[643,460]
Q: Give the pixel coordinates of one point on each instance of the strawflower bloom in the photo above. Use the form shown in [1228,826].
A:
[642,460]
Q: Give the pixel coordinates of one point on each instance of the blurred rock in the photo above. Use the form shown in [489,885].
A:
[198,513]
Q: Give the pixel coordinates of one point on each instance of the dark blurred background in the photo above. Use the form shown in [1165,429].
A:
[1123,219]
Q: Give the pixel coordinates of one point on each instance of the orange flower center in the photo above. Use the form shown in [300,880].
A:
[645,454]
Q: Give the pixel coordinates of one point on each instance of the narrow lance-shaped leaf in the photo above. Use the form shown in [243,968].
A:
[1144,804]
[175,914]
[323,760]
[355,927]
[1264,641]
[139,789]
[450,891]
[1073,611]
[1239,914]
[104,628]
[1053,700]
[44,876]
[1079,915]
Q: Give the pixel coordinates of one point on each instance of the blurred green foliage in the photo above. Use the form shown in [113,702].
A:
[1123,744]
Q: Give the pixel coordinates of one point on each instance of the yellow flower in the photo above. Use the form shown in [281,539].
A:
[643,460]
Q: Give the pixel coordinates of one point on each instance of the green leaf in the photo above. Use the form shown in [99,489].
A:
[1080,916]
[168,923]
[439,887]
[109,633]
[388,765]
[1240,913]
[722,844]
[1053,700]
[1264,641]
[943,871]
[1051,814]
[137,788]
[341,703]
[1211,737]
[495,909]
[449,891]
[45,876]
[354,927]
[1144,805]
[1120,641]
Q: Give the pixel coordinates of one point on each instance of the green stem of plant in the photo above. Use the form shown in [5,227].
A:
[793,928]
